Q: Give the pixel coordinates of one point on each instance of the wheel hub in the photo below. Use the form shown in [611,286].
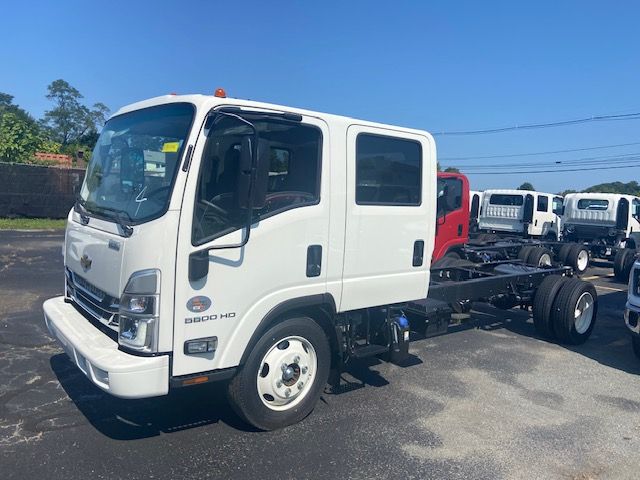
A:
[286,373]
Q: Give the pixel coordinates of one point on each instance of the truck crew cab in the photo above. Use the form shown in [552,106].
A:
[521,213]
[224,239]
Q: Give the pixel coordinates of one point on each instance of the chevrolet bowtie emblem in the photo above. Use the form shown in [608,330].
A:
[85,261]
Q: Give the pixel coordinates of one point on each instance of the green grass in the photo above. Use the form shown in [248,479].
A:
[31,224]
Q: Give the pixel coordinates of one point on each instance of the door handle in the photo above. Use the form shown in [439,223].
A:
[418,253]
[314,260]
[460,230]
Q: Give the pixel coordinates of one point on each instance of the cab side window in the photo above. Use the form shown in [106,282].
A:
[294,157]
[449,195]
[543,203]
[388,171]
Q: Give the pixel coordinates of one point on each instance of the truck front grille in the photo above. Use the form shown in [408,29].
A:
[92,300]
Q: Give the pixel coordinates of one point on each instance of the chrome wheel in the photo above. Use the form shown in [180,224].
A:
[583,260]
[286,373]
[545,260]
[583,314]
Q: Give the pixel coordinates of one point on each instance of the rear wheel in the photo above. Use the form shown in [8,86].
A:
[540,257]
[578,258]
[524,252]
[564,252]
[574,311]
[284,376]
[622,264]
[543,302]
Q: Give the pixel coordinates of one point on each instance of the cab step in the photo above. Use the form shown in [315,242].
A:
[369,351]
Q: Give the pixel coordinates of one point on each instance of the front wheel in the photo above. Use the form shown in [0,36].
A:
[284,376]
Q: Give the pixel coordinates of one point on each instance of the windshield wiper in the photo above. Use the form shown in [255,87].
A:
[82,211]
[127,230]
[81,208]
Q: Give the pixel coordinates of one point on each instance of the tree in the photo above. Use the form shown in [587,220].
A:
[452,170]
[526,186]
[69,121]
[19,139]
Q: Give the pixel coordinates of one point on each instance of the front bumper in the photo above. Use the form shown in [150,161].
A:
[97,356]
[632,318]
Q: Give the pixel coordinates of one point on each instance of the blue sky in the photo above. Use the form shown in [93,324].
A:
[435,65]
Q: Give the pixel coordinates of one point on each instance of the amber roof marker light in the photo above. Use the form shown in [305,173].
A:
[220,93]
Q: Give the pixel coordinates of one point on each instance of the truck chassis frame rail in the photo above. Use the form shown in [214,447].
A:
[564,307]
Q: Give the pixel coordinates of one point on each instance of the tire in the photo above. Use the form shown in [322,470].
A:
[460,263]
[443,262]
[453,254]
[635,343]
[524,252]
[543,303]
[564,252]
[622,264]
[578,258]
[540,257]
[247,391]
[574,295]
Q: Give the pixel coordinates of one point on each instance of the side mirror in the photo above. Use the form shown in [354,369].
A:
[258,169]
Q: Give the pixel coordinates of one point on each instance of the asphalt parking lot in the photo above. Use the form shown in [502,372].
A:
[491,400]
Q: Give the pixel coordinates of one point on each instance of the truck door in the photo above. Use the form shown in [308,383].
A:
[452,222]
[390,216]
[286,256]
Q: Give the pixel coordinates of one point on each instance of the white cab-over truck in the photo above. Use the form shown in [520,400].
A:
[262,246]
[608,223]
[521,213]
[216,239]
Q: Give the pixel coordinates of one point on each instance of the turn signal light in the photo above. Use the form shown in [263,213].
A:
[220,93]
[195,380]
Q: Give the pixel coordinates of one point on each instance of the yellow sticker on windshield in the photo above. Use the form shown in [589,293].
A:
[171,147]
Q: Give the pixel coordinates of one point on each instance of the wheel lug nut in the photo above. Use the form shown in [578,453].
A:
[300,385]
[304,370]
[278,384]
[284,367]
[296,359]
[287,392]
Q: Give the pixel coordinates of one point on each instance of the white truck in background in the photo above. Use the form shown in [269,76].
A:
[522,213]
[608,224]
[632,309]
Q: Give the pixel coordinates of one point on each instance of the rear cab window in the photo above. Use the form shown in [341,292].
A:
[506,199]
[388,171]
[593,204]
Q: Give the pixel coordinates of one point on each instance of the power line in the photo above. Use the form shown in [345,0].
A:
[571,161]
[635,165]
[594,118]
[549,152]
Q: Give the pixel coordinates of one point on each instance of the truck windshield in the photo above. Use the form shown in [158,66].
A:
[133,166]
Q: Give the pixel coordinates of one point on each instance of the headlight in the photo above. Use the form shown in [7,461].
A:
[139,312]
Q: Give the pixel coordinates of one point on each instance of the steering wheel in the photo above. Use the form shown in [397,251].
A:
[157,191]
[288,198]
[218,210]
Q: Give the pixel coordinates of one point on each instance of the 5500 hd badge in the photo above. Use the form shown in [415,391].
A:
[202,304]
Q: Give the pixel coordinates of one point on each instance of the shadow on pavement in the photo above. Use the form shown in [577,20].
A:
[608,345]
[122,419]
